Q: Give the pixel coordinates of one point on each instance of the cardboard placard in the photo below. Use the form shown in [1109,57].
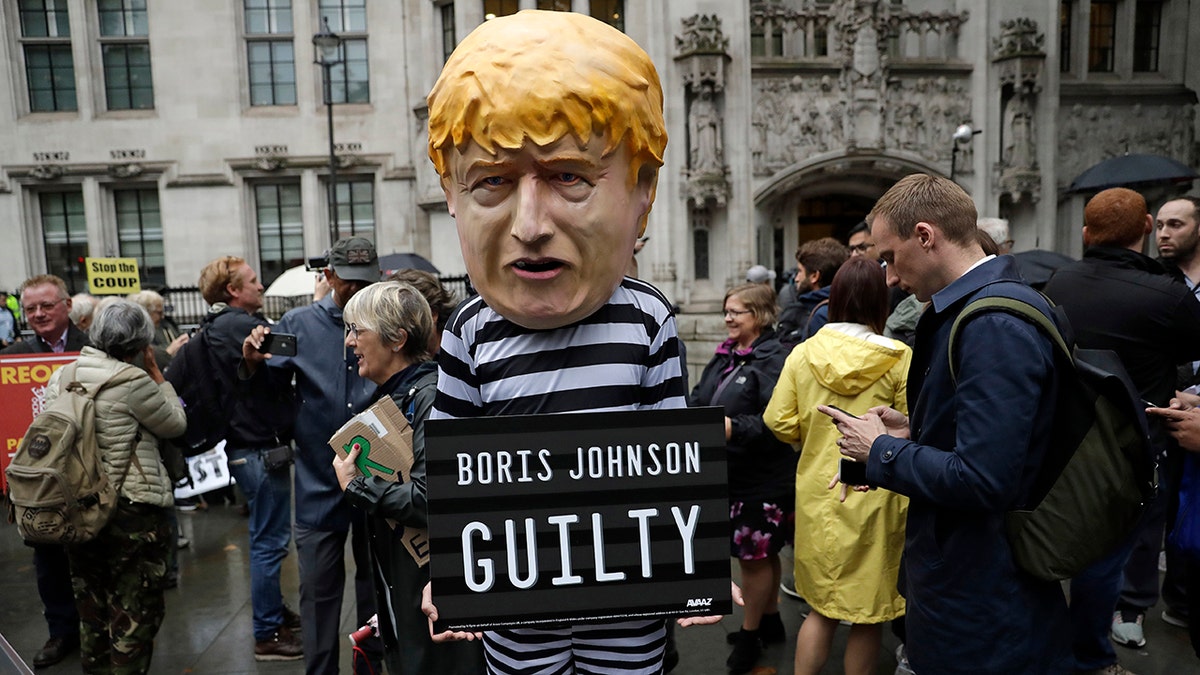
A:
[539,519]
[113,276]
[384,440]
[23,382]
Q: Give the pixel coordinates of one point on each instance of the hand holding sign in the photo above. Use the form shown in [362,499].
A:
[432,613]
[346,467]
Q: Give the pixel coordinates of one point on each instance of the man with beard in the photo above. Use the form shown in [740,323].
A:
[818,261]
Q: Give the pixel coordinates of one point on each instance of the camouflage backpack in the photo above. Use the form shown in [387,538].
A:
[58,491]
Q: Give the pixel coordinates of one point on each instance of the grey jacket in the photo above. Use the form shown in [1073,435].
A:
[121,412]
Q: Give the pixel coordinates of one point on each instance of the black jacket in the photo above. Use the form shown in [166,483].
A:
[1121,300]
[800,318]
[76,340]
[408,649]
[261,410]
[760,465]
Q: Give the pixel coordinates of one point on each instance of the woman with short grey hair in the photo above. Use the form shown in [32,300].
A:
[124,566]
[389,327]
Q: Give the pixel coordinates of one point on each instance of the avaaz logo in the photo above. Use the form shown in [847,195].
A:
[699,602]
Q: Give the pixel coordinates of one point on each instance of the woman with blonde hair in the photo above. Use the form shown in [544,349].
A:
[847,550]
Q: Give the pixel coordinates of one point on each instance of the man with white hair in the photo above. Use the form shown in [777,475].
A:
[997,229]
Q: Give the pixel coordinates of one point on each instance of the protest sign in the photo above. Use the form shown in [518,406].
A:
[209,471]
[110,276]
[384,441]
[548,518]
[23,396]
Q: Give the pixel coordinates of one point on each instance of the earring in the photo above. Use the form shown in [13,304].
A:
[395,349]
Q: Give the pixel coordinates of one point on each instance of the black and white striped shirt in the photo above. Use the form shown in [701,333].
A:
[625,356]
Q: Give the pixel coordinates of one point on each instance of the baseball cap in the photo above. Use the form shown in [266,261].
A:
[355,259]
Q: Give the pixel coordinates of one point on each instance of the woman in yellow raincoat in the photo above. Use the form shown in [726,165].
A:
[847,553]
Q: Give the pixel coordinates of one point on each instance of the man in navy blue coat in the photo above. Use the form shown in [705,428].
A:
[970,450]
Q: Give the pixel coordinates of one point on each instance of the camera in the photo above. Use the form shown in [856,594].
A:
[315,263]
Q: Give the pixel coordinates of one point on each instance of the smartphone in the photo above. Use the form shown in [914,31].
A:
[852,472]
[844,412]
[282,344]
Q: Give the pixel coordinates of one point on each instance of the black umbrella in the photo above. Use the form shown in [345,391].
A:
[394,262]
[1131,171]
[1037,266]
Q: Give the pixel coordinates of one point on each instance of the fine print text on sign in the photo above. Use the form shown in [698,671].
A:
[547,518]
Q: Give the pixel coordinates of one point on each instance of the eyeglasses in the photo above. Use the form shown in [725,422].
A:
[735,313]
[46,307]
[355,330]
[861,248]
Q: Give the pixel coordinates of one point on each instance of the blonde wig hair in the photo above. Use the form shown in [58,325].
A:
[540,75]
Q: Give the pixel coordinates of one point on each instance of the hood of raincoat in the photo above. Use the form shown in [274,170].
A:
[848,363]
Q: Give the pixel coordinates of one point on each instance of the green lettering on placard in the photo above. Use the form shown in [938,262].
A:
[365,464]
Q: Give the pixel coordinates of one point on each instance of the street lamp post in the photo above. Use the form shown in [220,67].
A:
[963,134]
[329,46]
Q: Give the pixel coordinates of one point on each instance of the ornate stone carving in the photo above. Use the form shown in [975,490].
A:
[859,103]
[270,162]
[1018,37]
[796,118]
[703,188]
[127,170]
[47,172]
[1088,134]
[701,56]
[707,153]
[701,52]
[1019,60]
[702,35]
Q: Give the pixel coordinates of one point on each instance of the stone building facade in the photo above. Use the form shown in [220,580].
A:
[177,132]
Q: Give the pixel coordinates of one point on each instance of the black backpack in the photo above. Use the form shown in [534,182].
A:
[1099,473]
[197,379]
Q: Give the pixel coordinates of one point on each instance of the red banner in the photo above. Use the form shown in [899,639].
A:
[23,381]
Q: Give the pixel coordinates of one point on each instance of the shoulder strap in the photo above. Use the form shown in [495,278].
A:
[1012,306]
[812,315]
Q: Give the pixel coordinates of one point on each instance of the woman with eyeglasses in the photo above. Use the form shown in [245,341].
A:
[389,329]
[740,378]
[848,557]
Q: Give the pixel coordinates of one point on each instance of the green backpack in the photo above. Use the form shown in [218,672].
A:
[1099,473]
[58,491]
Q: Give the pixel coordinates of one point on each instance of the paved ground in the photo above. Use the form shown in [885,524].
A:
[207,629]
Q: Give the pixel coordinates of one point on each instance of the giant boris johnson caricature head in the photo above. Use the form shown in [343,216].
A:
[547,131]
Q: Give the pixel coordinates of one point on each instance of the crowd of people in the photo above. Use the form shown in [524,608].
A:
[848,435]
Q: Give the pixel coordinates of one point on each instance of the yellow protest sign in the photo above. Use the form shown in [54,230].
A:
[110,276]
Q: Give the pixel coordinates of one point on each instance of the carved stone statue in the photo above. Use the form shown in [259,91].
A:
[1019,151]
[704,130]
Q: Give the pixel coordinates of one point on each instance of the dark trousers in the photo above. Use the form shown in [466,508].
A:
[54,586]
[1094,593]
[1139,589]
[321,555]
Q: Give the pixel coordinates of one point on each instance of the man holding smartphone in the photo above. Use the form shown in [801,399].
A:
[971,448]
[260,414]
[329,390]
